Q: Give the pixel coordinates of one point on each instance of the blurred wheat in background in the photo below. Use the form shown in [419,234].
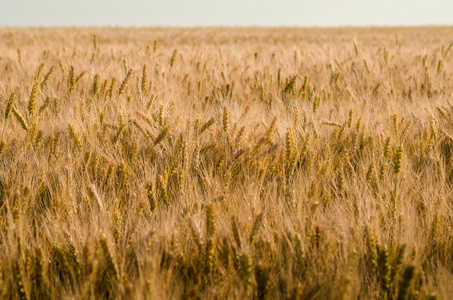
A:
[226,163]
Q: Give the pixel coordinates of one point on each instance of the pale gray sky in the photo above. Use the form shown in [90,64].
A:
[225,13]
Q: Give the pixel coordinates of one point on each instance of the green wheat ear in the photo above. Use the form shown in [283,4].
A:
[290,158]
[19,56]
[71,79]
[356,48]
[397,160]
[173,57]
[112,84]
[206,126]
[151,196]
[32,101]
[161,135]
[94,88]
[405,285]
[387,147]
[263,278]
[20,119]
[246,269]
[144,83]
[95,42]
[226,119]
[210,227]
[124,83]
[46,77]
[351,114]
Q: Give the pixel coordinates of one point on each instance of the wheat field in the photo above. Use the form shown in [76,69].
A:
[223,163]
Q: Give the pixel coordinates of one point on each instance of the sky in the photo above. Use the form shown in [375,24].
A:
[195,13]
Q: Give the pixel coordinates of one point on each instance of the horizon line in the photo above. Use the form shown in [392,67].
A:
[222,26]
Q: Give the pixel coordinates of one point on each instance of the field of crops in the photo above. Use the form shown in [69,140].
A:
[226,163]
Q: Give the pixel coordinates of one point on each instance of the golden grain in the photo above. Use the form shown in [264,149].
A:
[250,164]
